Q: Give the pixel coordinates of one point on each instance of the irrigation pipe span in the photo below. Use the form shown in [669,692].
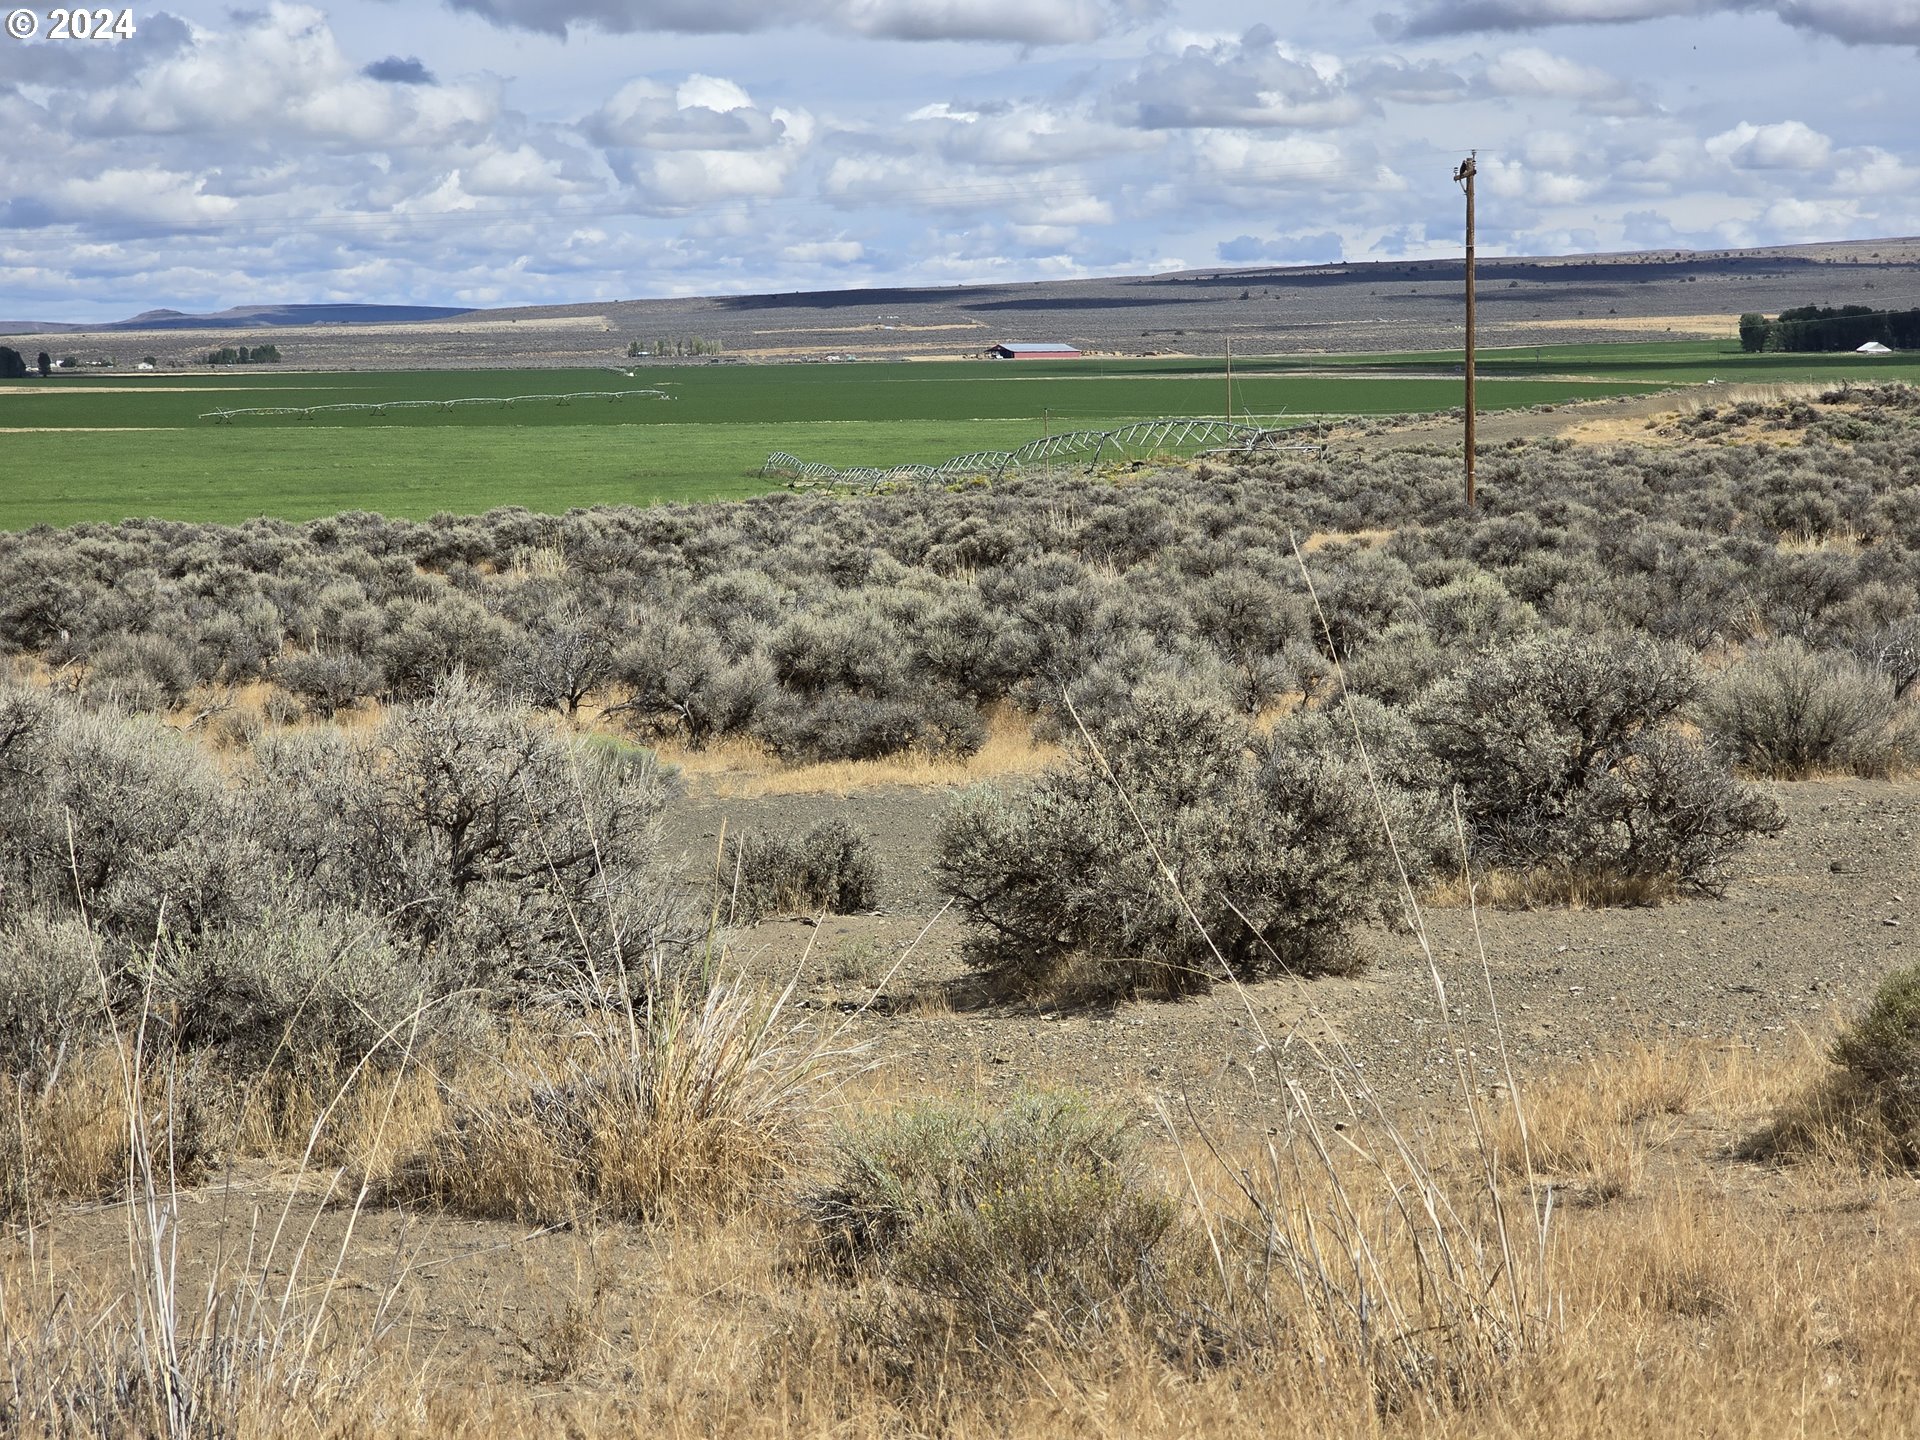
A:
[1220,436]
[380,407]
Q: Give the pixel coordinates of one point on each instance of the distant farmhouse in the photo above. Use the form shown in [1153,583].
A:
[1045,350]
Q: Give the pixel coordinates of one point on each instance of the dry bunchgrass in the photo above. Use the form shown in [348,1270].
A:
[1593,1127]
[698,1098]
[1838,1120]
[1721,397]
[63,1141]
[740,769]
[1344,539]
[73,1135]
[1501,889]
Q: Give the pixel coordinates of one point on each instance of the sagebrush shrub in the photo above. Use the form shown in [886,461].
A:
[51,988]
[832,867]
[141,672]
[681,682]
[1361,594]
[1566,758]
[327,682]
[120,816]
[1277,854]
[1032,1226]
[1894,651]
[310,992]
[841,724]
[1399,667]
[1881,1051]
[334,884]
[1408,783]
[428,641]
[1475,611]
[1867,1109]
[1788,712]
[479,833]
[567,657]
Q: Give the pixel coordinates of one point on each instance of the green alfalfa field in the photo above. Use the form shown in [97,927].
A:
[112,445]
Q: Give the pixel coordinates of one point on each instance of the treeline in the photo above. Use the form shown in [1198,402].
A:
[257,355]
[681,346]
[1817,328]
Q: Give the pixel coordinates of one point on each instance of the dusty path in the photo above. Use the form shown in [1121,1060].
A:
[1807,927]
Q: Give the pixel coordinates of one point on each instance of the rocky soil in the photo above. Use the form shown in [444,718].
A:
[1808,924]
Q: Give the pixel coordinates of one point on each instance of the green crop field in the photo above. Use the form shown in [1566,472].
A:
[105,447]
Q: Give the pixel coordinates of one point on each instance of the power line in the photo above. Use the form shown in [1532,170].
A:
[1464,177]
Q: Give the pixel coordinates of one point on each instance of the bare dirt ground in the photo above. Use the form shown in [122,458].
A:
[1808,925]
[1623,419]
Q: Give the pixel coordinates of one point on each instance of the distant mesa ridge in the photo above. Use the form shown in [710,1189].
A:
[247,317]
[252,317]
[1270,300]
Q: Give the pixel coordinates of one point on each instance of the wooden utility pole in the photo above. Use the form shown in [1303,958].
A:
[1229,379]
[1464,177]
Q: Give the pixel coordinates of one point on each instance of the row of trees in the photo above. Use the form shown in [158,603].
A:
[1846,327]
[678,345]
[256,355]
[13,365]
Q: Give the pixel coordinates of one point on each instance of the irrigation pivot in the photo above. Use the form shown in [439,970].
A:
[380,407]
[1166,433]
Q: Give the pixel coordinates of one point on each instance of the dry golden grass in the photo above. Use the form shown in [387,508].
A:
[1719,397]
[1546,889]
[1659,430]
[740,769]
[67,1140]
[1594,1126]
[736,768]
[1740,1300]
[1838,543]
[1621,430]
[1358,539]
[1713,327]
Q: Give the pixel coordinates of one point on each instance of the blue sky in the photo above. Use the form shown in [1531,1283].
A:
[497,152]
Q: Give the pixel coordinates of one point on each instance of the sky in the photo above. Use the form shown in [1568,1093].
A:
[503,152]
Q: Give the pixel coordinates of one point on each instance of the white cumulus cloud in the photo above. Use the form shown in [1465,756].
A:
[1856,22]
[1022,22]
[1532,71]
[1788,145]
[1257,81]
